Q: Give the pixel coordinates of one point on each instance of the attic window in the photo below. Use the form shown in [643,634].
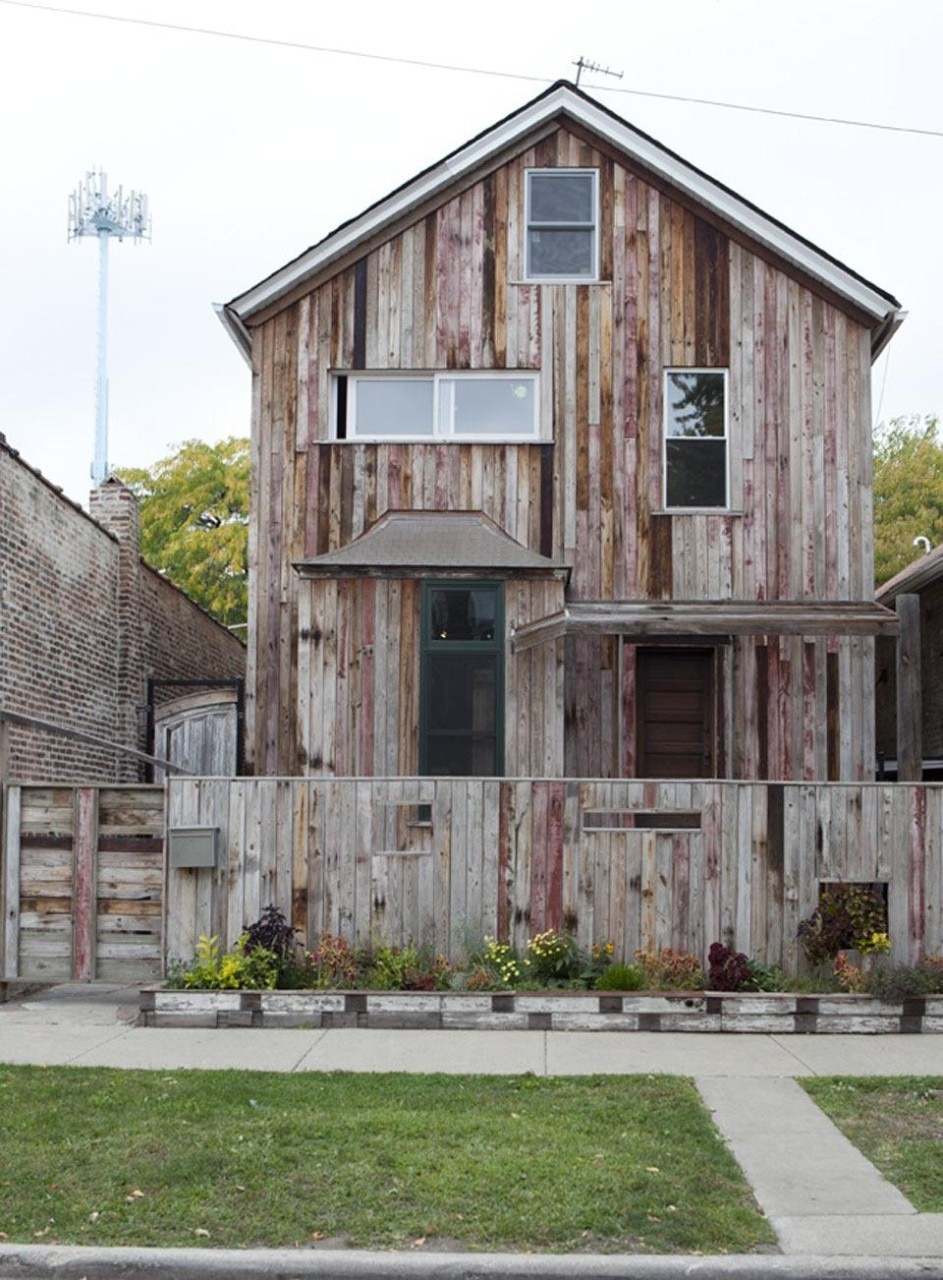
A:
[447,405]
[562,234]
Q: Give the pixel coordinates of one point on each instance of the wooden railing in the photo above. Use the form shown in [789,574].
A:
[441,862]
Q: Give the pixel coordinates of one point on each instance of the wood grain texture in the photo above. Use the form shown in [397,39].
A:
[745,874]
[83,887]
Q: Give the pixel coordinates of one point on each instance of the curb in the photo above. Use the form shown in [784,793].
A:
[41,1262]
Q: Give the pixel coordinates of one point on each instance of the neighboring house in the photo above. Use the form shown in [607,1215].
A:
[909,675]
[562,467]
[85,624]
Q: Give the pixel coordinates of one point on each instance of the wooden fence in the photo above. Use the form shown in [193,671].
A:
[82,883]
[441,862]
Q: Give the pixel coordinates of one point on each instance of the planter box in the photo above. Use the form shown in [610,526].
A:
[759,1014]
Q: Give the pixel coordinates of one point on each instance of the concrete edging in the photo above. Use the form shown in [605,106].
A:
[733,1012]
[51,1262]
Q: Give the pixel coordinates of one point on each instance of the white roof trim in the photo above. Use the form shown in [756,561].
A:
[645,151]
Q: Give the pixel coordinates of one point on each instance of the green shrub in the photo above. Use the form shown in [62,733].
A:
[894,982]
[256,970]
[390,968]
[621,977]
[554,959]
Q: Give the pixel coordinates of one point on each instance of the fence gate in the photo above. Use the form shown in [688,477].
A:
[83,883]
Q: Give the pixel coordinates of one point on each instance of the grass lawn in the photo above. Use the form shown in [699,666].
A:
[241,1159]
[897,1122]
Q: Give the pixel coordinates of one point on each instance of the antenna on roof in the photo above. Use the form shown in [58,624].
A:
[583,64]
[92,212]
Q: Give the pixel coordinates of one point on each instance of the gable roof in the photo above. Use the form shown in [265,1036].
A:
[564,101]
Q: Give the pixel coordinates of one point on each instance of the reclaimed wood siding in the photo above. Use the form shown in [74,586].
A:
[83,883]
[512,857]
[675,290]
[359,660]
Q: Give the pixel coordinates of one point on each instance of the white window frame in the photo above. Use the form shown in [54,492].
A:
[529,225]
[443,420]
[694,440]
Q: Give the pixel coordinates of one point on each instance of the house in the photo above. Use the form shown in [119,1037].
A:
[92,639]
[562,469]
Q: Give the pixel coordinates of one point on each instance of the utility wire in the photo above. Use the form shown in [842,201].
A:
[465,70]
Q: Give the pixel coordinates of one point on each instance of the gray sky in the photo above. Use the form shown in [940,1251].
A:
[249,153]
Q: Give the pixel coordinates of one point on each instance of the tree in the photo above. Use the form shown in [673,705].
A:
[195,522]
[908,492]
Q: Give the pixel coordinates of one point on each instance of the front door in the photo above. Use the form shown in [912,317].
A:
[462,681]
[676,736]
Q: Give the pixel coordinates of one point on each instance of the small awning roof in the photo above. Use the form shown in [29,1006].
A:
[406,544]
[691,618]
[914,577]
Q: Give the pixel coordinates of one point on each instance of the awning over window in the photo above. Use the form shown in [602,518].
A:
[406,544]
[692,618]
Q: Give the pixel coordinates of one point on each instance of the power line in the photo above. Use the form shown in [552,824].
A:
[273,41]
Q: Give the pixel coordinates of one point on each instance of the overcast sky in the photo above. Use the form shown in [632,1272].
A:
[250,152]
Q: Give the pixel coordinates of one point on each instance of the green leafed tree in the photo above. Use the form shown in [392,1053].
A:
[908,492]
[195,522]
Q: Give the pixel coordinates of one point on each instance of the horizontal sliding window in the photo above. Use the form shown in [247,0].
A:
[695,458]
[448,405]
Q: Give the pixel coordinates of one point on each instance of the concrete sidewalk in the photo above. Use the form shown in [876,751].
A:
[833,1213]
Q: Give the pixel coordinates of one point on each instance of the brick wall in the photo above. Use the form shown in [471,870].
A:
[83,624]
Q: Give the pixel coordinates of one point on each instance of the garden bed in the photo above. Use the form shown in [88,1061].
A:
[753,1012]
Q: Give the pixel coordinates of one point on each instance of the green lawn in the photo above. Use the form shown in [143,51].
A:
[241,1159]
[897,1122]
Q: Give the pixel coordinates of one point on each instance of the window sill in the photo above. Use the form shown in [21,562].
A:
[437,440]
[607,284]
[698,511]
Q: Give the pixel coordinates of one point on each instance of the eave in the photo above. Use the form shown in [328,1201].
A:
[419,544]
[689,618]
[917,575]
[563,102]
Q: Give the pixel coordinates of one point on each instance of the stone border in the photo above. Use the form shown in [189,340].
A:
[764,1014]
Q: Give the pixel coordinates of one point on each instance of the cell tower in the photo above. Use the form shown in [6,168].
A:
[93,212]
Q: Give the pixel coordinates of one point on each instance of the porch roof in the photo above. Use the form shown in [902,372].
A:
[415,543]
[644,618]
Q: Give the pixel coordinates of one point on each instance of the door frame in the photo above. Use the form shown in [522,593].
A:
[696,645]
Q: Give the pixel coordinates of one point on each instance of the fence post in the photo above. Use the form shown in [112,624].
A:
[11,884]
[909,691]
[85,892]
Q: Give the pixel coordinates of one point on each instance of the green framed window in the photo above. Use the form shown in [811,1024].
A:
[462,679]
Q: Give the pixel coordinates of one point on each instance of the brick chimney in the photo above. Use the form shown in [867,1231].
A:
[115,508]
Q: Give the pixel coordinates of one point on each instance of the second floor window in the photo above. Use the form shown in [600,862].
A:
[695,444]
[562,233]
[458,406]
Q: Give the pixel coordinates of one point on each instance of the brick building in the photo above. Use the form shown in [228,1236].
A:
[84,623]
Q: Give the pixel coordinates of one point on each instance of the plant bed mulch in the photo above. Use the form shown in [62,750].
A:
[759,1013]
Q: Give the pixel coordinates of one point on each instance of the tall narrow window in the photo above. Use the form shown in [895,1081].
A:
[462,682]
[695,458]
[562,232]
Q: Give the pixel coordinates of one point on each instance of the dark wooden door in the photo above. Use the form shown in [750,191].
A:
[676,736]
